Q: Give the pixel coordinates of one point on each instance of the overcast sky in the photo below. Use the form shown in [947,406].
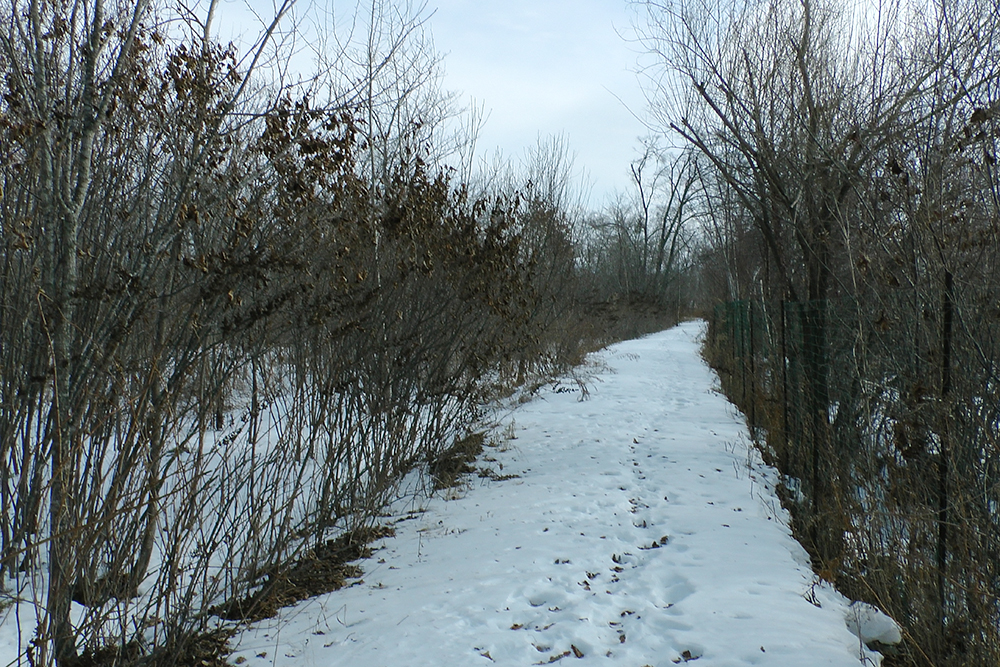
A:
[537,67]
[545,67]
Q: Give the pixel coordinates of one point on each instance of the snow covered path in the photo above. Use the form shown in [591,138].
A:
[640,531]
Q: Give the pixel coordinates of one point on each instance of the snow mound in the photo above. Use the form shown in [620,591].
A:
[870,625]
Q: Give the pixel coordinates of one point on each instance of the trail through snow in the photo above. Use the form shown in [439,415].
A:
[641,530]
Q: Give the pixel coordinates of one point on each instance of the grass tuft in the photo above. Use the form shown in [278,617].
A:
[447,468]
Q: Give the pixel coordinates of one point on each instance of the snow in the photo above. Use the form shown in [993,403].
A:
[869,624]
[641,529]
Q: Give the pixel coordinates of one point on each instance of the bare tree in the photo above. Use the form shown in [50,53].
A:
[234,316]
[645,236]
[849,184]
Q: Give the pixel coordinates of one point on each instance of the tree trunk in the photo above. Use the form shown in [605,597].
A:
[63,442]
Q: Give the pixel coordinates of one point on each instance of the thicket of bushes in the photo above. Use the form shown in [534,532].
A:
[847,160]
[233,316]
[893,489]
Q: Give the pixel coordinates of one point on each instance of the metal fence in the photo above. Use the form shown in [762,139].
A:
[883,418]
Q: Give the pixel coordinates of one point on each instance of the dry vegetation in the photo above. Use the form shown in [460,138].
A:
[847,157]
[235,311]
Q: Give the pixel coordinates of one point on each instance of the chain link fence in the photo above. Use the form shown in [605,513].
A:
[883,418]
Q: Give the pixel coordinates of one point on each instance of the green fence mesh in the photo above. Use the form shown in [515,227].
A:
[883,418]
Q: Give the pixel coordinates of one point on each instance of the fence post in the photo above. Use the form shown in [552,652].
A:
[738,307]
[753,366]
[944,462]
[783,462]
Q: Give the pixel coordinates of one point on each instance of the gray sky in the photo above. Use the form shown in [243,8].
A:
[545,67]
[537,67]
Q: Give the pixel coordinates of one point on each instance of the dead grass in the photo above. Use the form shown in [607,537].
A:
[447,468]
[321,570]
[494,476]
[206,649]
